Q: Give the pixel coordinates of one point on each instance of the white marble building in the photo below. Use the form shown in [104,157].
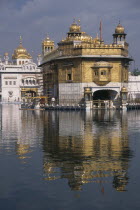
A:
[20,78]
[134,87]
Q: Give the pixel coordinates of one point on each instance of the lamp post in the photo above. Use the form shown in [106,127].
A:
[124,94]
[88,98]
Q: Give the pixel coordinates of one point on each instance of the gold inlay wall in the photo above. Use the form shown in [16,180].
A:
[85,72]
[84,53]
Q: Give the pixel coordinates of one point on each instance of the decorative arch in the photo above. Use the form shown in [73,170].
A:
[30,66]
[105,94]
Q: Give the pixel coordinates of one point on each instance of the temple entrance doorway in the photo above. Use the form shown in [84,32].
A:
[30,93]
[104,98]
[104,95]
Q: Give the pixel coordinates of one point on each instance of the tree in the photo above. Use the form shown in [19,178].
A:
[136,72]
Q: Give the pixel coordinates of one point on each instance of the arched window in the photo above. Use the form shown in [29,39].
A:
[26,82]
[22,62]
[34,82]
[22,81]
[19,62]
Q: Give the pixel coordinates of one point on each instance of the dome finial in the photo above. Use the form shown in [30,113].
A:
[79,22]
[47,35]
[20,38]
[74,20]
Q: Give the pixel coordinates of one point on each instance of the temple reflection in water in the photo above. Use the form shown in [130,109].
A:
[87,147]
[80,147]
[22,129]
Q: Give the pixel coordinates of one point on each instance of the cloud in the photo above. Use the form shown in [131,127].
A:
[34,18]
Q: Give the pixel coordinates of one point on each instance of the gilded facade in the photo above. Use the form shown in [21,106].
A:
[81,61]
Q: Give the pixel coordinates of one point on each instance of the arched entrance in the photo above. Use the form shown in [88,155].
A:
[104,98]
[104,95]
[30,93]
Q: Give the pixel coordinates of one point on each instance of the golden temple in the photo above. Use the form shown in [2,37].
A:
[81,61]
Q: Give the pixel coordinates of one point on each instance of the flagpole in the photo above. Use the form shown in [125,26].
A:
[100,29]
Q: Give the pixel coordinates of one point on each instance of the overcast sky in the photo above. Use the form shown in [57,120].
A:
[33,19]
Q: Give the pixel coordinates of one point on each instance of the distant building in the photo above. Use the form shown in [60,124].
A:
[134,87]
[20,78]
[82,66]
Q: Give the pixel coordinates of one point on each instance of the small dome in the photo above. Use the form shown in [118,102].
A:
[21,52]
[85,37]
[47,41]
[123,89]
[119,29]
[6,54]
[75,28]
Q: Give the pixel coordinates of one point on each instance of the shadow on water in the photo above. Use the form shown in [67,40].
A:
[87,147]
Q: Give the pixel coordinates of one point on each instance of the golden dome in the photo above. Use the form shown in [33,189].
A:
[75,27]
[6,54]
[119,29]
[48,42]
[85,37]
[21,52]
[124,89]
